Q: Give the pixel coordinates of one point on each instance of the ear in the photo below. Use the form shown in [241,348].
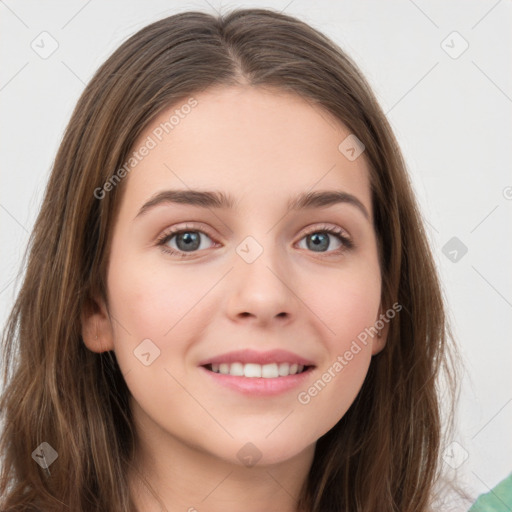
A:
[96,326]
[380,339]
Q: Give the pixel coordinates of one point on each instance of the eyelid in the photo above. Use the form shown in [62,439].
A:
[323,226]
[176,229]
[331,229]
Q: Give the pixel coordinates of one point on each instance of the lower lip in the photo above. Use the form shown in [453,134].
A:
[259,386]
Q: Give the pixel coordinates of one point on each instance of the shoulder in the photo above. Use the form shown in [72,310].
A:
[498,499]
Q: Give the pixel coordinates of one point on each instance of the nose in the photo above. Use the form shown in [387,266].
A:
[261,288]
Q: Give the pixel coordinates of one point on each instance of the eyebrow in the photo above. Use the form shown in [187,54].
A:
[217,199]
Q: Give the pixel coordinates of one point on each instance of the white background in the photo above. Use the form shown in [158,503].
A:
[452,117]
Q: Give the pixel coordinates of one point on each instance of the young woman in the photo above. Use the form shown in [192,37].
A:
[230,302]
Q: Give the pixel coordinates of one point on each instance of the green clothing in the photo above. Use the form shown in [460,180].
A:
[498,499]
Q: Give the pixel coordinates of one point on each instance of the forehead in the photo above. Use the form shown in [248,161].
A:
[249,142]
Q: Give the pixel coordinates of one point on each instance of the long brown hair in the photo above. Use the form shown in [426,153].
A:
[383,455]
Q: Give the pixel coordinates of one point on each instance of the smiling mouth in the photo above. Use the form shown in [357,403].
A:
[253,370]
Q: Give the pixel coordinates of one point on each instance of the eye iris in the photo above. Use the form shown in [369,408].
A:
[320,240]
[191,239]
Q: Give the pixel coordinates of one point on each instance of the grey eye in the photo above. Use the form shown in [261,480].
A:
[319,241]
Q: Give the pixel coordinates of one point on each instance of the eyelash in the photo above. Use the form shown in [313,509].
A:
[348,244]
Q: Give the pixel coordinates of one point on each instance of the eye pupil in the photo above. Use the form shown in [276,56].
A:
[320,240]
[191,239]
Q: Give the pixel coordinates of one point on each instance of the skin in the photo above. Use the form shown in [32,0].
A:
[262,147]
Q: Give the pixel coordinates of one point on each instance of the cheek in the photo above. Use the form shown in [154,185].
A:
[328,397]
[153,302]
[159,304]
[150,300]
[346,302]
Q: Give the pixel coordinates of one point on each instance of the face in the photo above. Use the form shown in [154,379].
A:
[190,282]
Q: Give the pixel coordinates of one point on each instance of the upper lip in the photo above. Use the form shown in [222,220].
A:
[253,356]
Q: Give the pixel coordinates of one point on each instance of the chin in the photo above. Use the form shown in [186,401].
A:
[262,451]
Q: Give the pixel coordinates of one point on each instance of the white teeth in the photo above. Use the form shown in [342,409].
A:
[253,370]
[269,371]
[284,369]
[237,369]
